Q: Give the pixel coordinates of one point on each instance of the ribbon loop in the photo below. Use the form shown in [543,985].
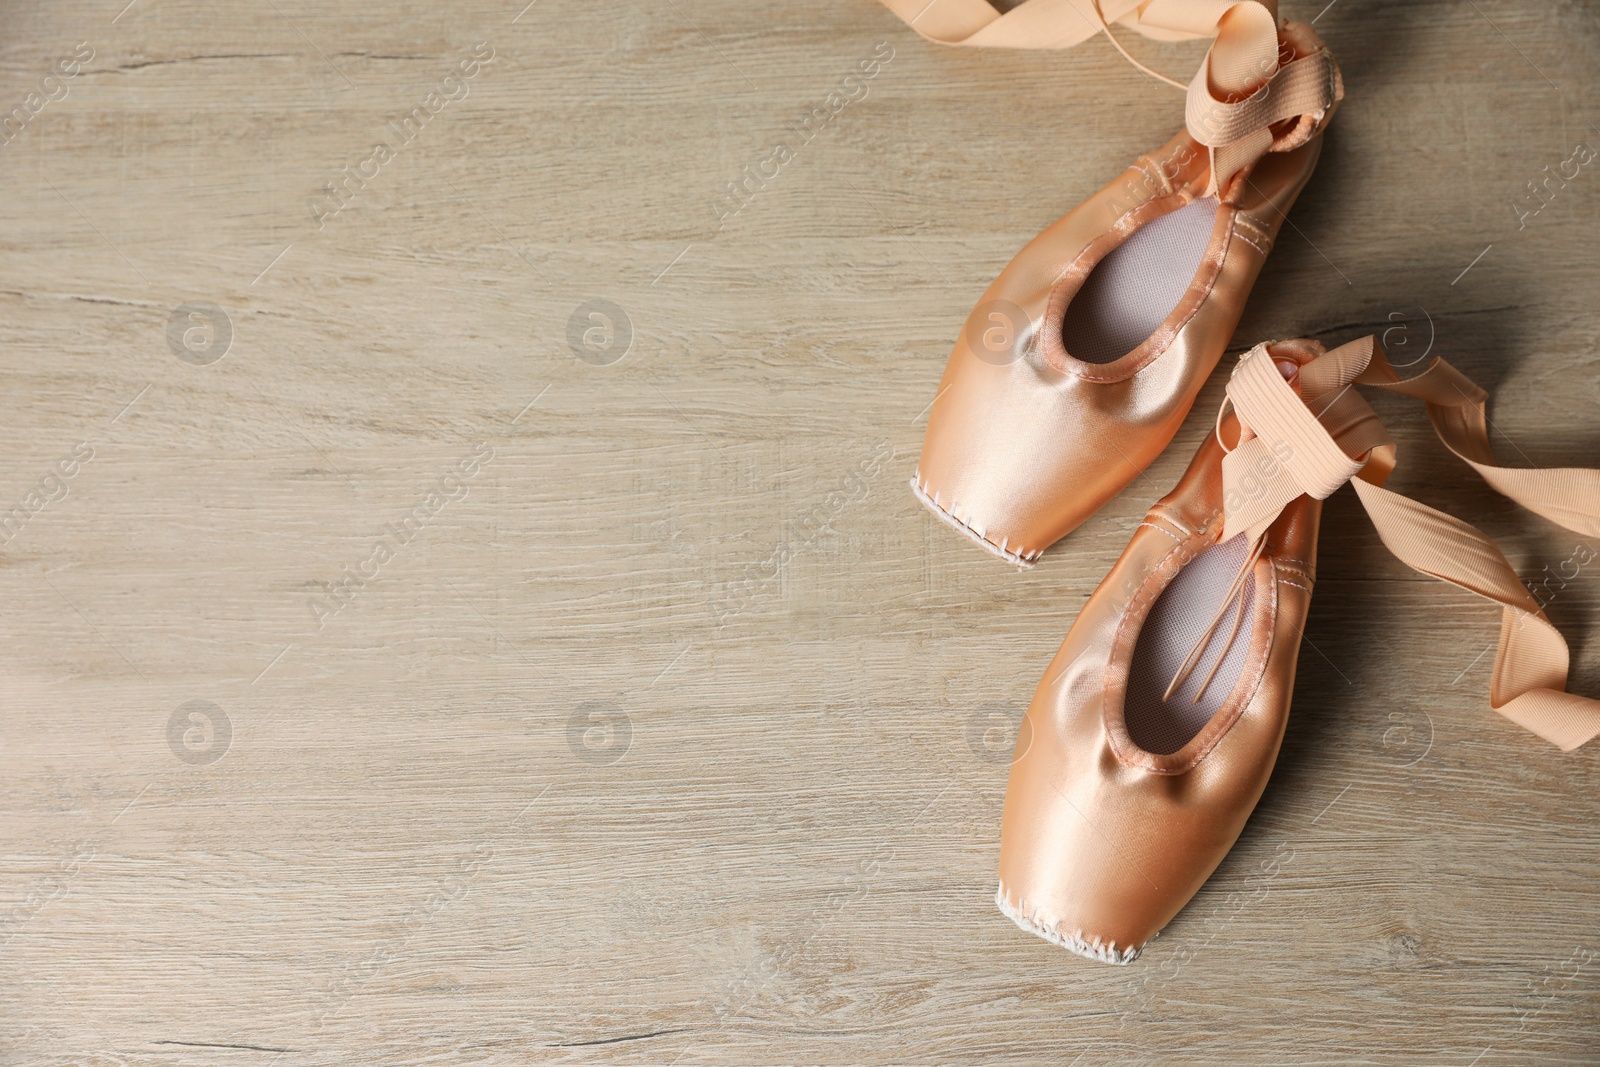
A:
[1322,433]
[1057,23]
[1288,450]
[1254,78]
[1239,131]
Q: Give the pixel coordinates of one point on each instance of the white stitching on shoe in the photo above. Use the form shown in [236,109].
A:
[1040,925]
[1017,557]
[1260,239]
[1163,529]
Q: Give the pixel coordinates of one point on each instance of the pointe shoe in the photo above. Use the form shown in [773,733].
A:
[1154,731]
[1080,362]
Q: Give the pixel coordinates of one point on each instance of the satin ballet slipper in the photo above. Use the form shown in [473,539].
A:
[1080,362]
[1155,729]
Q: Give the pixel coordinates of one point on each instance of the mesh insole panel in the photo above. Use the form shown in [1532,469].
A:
[1135,287]
[1174,624]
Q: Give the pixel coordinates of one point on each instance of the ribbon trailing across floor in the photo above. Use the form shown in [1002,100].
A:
[1314,432]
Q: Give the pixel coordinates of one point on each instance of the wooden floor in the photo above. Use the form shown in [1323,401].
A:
[466,606]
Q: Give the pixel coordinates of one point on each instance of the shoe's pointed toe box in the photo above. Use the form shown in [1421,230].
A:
[1098,856]
[1103,842]
[1025,440]
[1021,447]
[1003,460]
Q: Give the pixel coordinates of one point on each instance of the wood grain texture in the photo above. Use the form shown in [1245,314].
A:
[569,776]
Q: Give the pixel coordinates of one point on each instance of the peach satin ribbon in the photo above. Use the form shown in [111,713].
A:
[1313,433]
[1234,99]
[1057,23]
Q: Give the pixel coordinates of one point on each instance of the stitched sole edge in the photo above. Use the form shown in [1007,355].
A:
[1019,560]
[1090,949]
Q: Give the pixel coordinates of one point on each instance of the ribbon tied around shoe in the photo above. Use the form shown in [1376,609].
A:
[1313,432]
[1239,128]
[1239,103]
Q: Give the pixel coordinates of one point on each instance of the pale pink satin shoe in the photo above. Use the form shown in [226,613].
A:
[1080,362]
[1154,731]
